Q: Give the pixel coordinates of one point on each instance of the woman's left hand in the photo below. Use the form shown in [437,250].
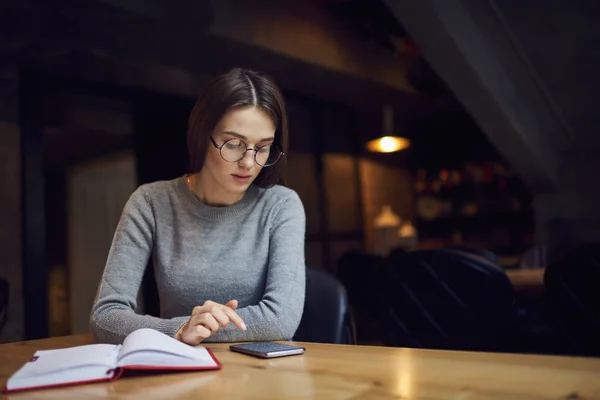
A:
[207,319]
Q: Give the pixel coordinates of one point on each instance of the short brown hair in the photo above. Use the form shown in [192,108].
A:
[239,87]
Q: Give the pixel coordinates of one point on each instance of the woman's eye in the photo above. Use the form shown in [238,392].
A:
[233,144]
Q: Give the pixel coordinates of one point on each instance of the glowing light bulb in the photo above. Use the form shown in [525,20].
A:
[388,144]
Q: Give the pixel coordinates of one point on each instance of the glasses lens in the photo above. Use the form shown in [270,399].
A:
[267,155]
[233,150]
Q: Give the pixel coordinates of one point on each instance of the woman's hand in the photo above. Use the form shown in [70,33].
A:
[207,319]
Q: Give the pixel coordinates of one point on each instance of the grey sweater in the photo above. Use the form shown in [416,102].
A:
[252,251]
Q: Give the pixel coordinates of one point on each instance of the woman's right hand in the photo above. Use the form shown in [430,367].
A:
[207,319]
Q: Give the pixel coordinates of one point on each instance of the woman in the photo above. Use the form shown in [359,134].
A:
[227,242]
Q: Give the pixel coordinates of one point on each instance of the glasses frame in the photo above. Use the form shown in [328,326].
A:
[255,149]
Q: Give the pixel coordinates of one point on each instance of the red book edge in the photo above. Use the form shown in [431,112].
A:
[118,372]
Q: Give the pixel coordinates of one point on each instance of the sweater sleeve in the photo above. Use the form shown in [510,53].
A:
[113,315]
[277,316]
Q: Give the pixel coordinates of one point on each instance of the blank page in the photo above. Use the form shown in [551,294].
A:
[62,366]
[65,377]
[154,343]
[51,361]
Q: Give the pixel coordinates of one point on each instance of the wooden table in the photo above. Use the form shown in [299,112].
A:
[339,372]
[527,280]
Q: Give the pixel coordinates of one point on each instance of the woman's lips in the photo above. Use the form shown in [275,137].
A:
[241,178]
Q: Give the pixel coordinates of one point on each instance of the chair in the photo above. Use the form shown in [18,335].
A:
[571,295]
[449,299]
[361,274]
[3,302]
[478,251]
[326,317]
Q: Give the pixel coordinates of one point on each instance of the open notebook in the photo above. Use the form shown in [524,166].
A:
[144,349]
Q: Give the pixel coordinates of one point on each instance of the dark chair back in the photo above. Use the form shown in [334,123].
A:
[3,302]
[478,251]
[571,294]
[449,299]
[361,274]
[326,317]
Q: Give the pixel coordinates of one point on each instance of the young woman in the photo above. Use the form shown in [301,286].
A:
[226,241]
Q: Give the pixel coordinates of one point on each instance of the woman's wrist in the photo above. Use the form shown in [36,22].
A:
[178,334]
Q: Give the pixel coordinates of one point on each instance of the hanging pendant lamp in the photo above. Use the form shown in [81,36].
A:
[388,142]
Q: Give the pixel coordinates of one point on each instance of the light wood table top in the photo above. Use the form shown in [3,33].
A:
[527,280]
[338,372]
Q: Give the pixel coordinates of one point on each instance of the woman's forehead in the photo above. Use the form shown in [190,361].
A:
[249,123]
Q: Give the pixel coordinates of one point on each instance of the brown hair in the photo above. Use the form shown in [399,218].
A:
[238,87]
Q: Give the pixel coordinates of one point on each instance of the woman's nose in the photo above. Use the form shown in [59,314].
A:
[248,159]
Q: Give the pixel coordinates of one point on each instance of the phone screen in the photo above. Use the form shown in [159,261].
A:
[267,349]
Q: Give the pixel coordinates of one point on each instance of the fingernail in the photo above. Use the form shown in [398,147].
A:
[243,326]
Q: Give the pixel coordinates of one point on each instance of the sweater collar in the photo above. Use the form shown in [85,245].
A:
[216,212]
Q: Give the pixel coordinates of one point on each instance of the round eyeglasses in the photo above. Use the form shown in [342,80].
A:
[233,150]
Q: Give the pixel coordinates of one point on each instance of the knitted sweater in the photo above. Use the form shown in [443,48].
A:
[251,251]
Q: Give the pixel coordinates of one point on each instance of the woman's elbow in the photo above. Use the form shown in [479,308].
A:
[95,331]
[94,325]
[287,326]
[99,321]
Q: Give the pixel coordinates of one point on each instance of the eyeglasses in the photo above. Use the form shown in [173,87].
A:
[234,150]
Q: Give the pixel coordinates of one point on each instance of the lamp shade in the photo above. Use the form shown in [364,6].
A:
[388,142]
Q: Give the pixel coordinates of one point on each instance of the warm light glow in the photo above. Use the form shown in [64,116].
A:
[407,230]
[388,144]
[406,374]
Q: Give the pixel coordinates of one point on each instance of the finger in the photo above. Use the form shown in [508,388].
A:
[207,306]
[236,319]
[199,319]
[195,334]
[233,304]
[199,310]
[209,321]
[221,318]
[211,307]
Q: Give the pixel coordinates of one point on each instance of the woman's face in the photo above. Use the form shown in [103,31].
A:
[250,125]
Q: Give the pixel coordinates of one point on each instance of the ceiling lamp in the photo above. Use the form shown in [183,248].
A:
[388,143]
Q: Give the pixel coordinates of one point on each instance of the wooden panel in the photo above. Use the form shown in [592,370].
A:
[340,184]
[10,228]
[98,192]
[383,185]
[300,176]
[313,254]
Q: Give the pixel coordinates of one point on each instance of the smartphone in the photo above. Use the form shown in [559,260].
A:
[267,349]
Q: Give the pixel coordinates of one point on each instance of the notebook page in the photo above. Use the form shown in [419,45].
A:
[62,366]
[149,358]
[154,343]
[94,392]
[72,376]
[51,361]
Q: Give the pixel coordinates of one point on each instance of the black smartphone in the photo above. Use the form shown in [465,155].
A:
[267,349]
